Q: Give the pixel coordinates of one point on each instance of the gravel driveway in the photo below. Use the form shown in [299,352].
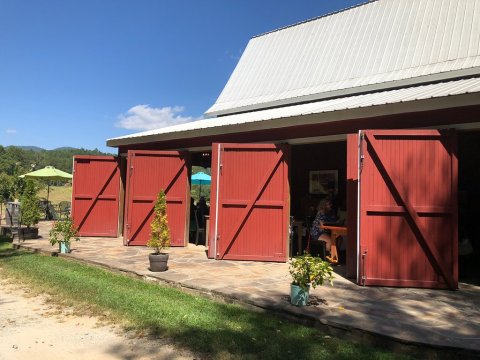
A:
[31,328]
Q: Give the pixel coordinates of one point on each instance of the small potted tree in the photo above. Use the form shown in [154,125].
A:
[160,234]
[30,212]
[307,271]
[62,233]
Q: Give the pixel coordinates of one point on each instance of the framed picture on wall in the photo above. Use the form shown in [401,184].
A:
[320,181]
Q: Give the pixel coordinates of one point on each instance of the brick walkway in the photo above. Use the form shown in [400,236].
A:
[440,318]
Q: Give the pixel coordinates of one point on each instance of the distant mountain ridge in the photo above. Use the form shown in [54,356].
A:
[36,148]
[66,148]
[32,148]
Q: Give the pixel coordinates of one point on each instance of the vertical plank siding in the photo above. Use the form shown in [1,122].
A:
[253,209]
[96,187]
[147,173]
[408,209]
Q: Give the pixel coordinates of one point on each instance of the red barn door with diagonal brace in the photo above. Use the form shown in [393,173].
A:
[147,173]
[96,186]
[249,202]
[408,208]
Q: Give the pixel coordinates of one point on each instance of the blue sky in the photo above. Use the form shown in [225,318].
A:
[74,73]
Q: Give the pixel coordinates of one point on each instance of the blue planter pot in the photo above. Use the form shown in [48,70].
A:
[64,248]
[298,296]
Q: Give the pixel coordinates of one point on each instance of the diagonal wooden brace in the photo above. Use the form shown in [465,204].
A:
[398,189]
[169,186]
[95,198]
[250,204]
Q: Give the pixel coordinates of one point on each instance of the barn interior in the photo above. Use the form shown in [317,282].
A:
[468,206]
[200,161]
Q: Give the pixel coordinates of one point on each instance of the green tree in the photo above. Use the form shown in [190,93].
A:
[29,206]
[6,188]
[16,160]
[18,186]
[160,232]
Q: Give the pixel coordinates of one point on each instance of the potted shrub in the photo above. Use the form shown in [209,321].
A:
[62,233]
[307,271]
[160,235]
[30,212]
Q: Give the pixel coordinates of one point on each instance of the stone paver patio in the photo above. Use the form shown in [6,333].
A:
[438,318]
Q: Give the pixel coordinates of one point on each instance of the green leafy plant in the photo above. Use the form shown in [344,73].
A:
[6,187]
[29,205]
[308,270]
[63,231]
[160,232]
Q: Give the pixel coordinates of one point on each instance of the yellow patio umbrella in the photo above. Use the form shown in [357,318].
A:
[48,173]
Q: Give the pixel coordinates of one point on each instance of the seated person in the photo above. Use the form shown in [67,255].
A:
[202,210]
[193,223]
[325,214]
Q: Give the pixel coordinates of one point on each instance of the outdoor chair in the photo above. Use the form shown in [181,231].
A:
[200,229]
[64,209]
[47,208]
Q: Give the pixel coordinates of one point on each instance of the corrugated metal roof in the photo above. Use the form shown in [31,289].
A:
[381,44]
[270,118]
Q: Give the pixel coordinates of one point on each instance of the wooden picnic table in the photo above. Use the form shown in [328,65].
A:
[335,233]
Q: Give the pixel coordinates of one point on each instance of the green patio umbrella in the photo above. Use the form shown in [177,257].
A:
[48,173]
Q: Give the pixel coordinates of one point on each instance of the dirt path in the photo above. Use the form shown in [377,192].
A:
[30,328]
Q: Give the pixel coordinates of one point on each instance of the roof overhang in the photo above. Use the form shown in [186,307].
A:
[443,95]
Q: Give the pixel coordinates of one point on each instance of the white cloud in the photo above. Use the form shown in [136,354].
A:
[144,117]
[11,131]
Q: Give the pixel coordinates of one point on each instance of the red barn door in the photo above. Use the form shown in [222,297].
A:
[408,208]
[249,202]
[96,186]
[147,173]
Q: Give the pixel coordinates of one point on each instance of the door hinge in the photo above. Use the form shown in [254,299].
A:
[364,275]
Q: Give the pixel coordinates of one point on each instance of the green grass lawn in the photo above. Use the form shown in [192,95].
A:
[213,329]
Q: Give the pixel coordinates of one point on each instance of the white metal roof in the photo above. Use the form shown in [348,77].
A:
[417,98]
[381,44]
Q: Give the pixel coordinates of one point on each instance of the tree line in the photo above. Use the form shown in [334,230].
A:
[15,161]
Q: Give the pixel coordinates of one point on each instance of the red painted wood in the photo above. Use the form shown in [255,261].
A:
[250,207]
[408,209]
[352,201]
[454,166]
[96,184]
[147,173]
[212,241]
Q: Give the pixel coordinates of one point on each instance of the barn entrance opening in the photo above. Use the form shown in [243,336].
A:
[318,174]
[200,185]
[468,206]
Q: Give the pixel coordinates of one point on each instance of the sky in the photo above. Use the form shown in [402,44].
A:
[75,73]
